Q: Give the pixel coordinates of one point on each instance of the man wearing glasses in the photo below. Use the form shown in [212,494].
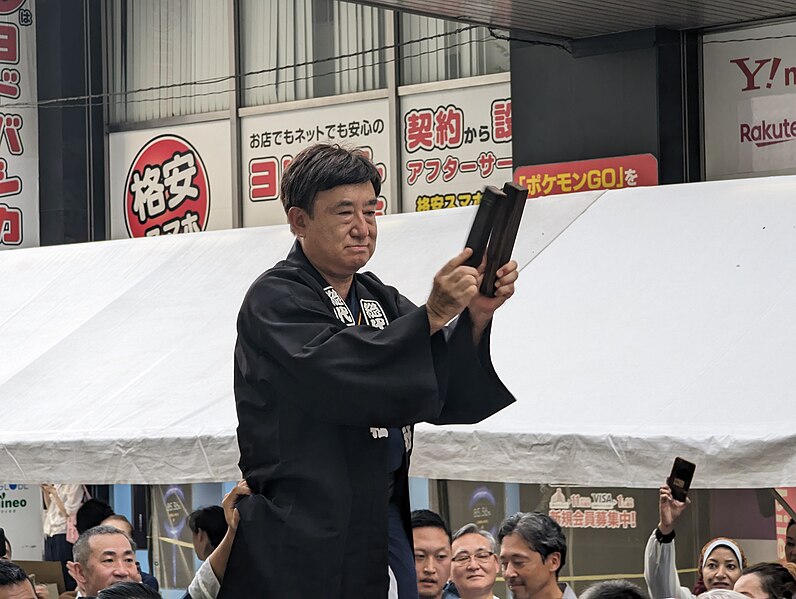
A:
[474,565]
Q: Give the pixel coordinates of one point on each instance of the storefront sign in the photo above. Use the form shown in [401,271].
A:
[20,517]
[595,510]
[455,142]
[170,181]
[750,102]
[783,518]
[270,141]
[19,151]
[588,175]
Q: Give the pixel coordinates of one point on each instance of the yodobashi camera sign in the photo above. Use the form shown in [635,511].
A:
[20,513]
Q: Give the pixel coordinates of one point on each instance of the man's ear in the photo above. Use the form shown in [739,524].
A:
[297,217]
[76,571]
[553,561]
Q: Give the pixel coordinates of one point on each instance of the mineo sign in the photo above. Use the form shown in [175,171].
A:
[767,133]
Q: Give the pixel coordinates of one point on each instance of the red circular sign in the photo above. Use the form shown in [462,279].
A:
[168,190]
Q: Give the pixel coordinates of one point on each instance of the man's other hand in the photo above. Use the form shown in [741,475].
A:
[482,307]
[454,287]
[230,499]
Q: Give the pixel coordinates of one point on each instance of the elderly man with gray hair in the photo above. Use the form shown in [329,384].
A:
[103,555]
[474,565]
[533,549]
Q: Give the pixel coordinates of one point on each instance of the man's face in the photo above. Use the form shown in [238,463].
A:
[340,237]
[432,560]
[20,590]
[474,565]
[526,573]
[112,560]
[201,544]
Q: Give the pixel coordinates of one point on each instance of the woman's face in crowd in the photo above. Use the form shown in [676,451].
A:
[790,544]
[749,585]
[721,570]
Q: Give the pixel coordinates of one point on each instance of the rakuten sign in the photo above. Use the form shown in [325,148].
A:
[766,134]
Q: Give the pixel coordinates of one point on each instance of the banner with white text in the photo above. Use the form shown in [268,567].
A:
[167,181]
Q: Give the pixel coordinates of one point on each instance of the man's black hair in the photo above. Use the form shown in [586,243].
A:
[539,531]
[11,574]
[321,167]
[422,518]
[614,589]
[211,520]
[128,590]
[91,514]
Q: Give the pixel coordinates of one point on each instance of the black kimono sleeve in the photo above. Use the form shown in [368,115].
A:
[289,339]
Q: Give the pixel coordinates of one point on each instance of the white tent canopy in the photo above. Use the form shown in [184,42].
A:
[647,323]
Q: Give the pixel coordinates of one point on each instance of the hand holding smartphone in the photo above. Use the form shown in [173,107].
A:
[679,480]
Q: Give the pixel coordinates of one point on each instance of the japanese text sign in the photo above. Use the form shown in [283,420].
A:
[454,144]
[588,175]
[270,141]
[19,172]
[167,181]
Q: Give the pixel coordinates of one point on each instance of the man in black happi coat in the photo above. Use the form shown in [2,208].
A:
[332,369]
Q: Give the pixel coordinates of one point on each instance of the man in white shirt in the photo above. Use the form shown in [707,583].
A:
[474,565]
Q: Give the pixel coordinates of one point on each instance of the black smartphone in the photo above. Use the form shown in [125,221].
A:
[679,480]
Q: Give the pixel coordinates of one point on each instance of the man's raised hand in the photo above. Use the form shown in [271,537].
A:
[455,285]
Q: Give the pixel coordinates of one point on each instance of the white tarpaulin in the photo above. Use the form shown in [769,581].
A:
[658,322]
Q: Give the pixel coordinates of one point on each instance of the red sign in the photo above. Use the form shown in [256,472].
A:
[587,175]
[167,189]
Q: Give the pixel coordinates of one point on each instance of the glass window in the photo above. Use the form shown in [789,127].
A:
[437,50]
[167,58]
[299,49]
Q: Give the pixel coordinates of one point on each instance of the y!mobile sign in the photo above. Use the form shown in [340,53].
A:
[750,102]
[270,141]
[455,142]
[19,154]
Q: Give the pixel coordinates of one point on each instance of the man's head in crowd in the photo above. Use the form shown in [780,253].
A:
[790,542]
[128,590]
[14,583]
[432,541]
[474,562]
[208,526]
[91,514]
[121,522]
[5,550]
[533,550]
[103,555]
[613,589]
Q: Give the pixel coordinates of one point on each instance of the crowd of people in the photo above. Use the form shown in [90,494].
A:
[529,551]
